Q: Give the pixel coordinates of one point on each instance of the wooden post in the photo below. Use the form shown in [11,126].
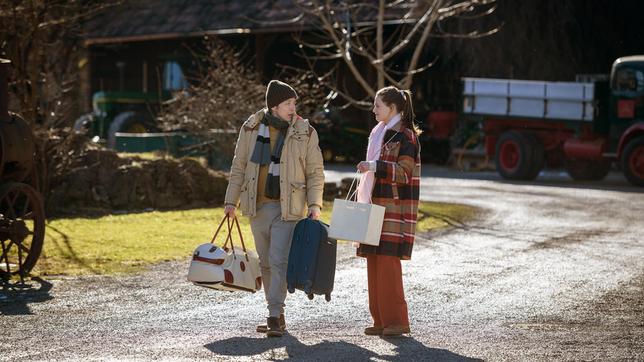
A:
[4,90]
[144,81]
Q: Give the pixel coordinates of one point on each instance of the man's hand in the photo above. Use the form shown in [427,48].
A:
[229,210]
[314,212]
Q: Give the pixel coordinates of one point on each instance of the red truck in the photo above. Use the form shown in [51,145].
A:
[584,126]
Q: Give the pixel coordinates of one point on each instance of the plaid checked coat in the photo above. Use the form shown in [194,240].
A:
[397,188]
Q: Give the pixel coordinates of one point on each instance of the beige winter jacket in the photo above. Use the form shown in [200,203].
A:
[301,170]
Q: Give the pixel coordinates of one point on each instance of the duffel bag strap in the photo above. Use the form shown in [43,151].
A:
[229,237]
[241,237]
[218,228]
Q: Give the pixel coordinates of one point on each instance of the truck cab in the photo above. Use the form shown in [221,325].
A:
[626,115]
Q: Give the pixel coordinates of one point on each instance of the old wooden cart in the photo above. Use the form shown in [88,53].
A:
[22,216]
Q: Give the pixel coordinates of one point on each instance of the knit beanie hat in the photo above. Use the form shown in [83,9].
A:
[277,92]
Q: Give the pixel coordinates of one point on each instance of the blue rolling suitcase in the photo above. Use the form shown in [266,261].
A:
[311,261]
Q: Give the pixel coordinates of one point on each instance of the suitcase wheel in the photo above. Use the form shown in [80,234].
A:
[310,296]
[327,297]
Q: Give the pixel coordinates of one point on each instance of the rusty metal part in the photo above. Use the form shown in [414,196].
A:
[22,228]
[22,215]
[4,92]
[16,140]
[16,149]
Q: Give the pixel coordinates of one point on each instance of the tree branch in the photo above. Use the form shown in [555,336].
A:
[421,44]
[346,56]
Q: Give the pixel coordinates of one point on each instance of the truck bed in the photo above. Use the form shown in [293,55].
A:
[570,101]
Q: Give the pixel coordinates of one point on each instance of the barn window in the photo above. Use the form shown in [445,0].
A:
[173,78]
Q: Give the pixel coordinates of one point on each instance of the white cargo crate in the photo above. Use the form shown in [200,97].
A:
[531,99]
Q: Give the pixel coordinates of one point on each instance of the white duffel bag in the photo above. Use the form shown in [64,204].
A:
[225,268]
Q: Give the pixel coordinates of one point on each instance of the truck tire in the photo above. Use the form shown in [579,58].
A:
[514,156]
[588,170]
[132,122]
[538,156]
[633,161]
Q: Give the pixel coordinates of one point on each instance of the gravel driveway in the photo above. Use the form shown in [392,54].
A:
[551,270]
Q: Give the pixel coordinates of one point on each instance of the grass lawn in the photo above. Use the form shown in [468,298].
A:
[127,243]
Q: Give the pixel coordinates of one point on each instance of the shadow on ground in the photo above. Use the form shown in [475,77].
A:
[15,298]
[289,347]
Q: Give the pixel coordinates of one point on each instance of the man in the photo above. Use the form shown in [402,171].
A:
[276,179]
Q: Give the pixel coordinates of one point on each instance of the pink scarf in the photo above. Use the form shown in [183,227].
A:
[376,137]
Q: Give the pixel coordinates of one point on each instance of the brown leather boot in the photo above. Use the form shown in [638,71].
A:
[373,331]
[263,328]
[395,331]
[274,328]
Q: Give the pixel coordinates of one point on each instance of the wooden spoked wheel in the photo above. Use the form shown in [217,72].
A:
[22,228]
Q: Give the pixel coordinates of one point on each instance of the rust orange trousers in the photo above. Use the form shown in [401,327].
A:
[386,295]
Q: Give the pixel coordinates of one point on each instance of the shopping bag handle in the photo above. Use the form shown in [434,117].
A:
[350,195]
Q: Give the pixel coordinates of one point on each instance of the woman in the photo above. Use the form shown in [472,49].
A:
[276,179]
[391,178]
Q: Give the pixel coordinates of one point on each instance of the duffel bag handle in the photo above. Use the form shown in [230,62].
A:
[229,236]
[212,241]
[241,237]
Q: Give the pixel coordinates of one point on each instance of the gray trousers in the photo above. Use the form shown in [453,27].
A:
[273,242]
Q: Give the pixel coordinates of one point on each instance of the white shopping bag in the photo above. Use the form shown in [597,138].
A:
[355,221]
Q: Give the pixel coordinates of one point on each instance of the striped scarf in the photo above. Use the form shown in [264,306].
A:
[262,152]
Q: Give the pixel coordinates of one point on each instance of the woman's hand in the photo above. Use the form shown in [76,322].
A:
[363,166]
[229,210]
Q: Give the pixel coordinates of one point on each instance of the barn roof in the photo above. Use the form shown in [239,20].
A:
[137,20]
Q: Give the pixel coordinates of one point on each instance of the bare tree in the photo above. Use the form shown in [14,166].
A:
[387,39]
[42,38]
[225,91]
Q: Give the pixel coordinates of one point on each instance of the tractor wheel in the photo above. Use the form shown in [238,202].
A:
[83,123]
[514,156]
[130,122]
[588,170]
[633,161]
[22,228]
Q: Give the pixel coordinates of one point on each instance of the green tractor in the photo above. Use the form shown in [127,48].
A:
[126,122]
[121,112]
